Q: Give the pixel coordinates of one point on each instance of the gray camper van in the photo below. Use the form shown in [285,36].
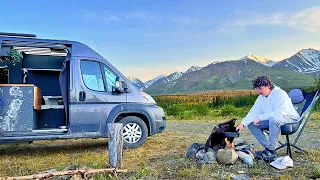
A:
[57,89]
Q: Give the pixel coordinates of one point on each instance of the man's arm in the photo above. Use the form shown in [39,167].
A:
[253,114]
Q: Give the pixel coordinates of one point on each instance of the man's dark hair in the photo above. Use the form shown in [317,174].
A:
[263,80]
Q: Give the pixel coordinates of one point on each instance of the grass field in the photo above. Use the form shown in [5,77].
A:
[161,157]
[211,105]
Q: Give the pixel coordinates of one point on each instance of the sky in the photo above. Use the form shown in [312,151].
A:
[145,39]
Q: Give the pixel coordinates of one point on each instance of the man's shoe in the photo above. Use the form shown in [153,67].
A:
[271,155]
[267,155]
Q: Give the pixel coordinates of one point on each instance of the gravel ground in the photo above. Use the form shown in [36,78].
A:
[309,139]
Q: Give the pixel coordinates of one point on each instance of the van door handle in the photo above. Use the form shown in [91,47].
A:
[82,96]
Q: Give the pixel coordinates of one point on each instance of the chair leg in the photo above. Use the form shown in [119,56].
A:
[288,146]
[295,146]
[282,144]
[280,147]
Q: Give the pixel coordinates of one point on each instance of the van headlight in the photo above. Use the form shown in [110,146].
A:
[149,99]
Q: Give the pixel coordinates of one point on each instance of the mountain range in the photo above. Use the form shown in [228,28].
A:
[298,70]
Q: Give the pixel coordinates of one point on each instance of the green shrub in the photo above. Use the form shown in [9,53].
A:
[202,109]
[228,110]
[175,109]
[187,114]
[235,101]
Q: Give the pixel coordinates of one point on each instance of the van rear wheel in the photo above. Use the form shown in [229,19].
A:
[135,132]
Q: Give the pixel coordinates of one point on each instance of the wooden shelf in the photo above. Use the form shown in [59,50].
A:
[52,107]
[32,69]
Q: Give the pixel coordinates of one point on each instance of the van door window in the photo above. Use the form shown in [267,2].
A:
[91,75]
[110,77]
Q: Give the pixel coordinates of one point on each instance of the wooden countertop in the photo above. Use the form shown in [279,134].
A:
[17,85]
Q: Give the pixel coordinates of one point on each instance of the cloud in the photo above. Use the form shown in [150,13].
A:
[140,15]
[102,17]
[145,15]
[111,18]
[307,19]
[275,18]
[90,15]
[190,21]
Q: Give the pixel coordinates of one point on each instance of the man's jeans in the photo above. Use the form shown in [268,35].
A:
[274,126]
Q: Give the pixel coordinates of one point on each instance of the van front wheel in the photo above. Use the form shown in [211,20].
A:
[135,131]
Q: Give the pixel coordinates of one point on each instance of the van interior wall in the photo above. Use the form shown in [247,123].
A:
[42,61]
[33,62]
[44,71]
[47,81]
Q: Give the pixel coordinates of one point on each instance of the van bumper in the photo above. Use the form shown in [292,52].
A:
[158,118]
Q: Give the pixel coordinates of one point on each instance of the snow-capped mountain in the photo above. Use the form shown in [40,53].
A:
[232,74]
[176,75]
[150,82]
[299,71]
[172,77]
[193,68]
[137,82]
[305,61]
[259,59]
[164,78]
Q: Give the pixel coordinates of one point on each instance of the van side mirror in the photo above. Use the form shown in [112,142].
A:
[120,86]
[124,86]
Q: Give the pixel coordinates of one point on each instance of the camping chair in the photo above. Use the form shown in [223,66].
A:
[304,103]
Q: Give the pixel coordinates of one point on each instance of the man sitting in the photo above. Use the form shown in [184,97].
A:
[271,110]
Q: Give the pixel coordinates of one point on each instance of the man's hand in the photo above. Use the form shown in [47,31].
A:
[256,122]
[239,127]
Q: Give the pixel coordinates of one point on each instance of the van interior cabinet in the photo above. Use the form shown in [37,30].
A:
[51,118]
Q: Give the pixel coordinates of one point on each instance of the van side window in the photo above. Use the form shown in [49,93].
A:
[110,77]
[91,75]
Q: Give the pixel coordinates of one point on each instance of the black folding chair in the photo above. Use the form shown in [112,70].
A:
[304,104]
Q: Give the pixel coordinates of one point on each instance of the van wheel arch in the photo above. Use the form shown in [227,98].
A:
[135,131]
[141,116]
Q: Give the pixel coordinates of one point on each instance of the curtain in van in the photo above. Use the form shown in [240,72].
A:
[63,80]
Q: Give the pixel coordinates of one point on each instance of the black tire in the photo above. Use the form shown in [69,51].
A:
[127,122]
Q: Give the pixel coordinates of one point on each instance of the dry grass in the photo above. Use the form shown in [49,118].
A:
[43,155]
[161,157]
[24,159]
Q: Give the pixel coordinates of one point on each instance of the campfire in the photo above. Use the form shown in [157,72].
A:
[229,145]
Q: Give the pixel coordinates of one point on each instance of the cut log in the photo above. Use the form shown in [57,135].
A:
[115,144]
[61,173]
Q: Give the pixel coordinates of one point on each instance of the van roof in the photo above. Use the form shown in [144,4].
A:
[29,40]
